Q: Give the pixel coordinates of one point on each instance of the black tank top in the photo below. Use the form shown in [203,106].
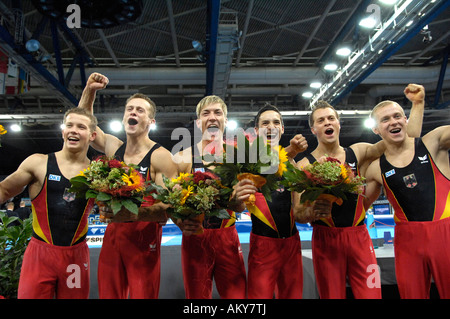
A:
[144,165]
[59,217]
[351,212]
[418,191]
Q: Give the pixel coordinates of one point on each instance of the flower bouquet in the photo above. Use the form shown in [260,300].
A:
[326,178]
[255,161]
[197,196]
[111,182]
[3,131]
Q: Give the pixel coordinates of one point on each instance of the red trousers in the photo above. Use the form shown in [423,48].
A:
[422,250]
[50,271]
[214,254]
[130,261]
[275,267]
[340,252]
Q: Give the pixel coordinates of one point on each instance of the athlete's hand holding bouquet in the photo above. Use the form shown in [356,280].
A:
[112,183]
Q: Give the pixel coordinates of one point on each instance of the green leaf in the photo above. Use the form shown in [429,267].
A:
[103,197]
[131,206]
[116,206]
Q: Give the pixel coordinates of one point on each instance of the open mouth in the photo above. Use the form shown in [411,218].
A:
[213,129]
[73,139]
[132,121]
[329,131]
[395,131]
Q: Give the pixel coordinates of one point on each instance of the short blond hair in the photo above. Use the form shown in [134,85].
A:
[152,112]
[81,111]
[208,100]
[381,105]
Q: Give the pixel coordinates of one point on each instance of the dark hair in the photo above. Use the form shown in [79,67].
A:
[265,108]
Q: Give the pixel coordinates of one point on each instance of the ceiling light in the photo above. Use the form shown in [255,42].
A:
[410,22]
[32,45]
[343,51]
[307,95]
[197,46]
[315,85]
[15,128]
[368,22]
[232,125]
[115,126]
[369,123]
[389,2]
[331,67]
[153,127]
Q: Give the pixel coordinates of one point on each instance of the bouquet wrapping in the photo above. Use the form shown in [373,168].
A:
[111,182]
[326,178]
[196,195]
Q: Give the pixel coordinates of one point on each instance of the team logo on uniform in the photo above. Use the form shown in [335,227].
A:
[423,159]
[143,170]
[68,196]
[410,180]
[390,173]
[55,178]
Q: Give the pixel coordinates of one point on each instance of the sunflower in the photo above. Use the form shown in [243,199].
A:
[186,193]
[133,180]
[3,131]
[282,159]
[180,178]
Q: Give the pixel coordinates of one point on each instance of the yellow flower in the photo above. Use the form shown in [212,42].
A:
[82,173]
[186,193]
[345,173]
[2,130]
[180,178]
[133,179]
[282,158]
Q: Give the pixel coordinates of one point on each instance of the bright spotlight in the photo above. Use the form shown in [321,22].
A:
[369,123]
[115,126]
[368,22]
[315,85]
[343,51]
[307,95]
[15,128]
[331,67]
[232,125]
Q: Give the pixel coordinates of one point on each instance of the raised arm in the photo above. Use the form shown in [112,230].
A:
[103,142]
[416,94]
[297,144]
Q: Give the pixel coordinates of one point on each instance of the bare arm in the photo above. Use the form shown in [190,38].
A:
[25,175]
[297,144]
[416,94]
[373,184]
[105,143]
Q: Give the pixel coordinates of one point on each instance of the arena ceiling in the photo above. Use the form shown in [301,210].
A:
[252,52]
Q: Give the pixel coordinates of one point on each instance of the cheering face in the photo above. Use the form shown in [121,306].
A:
[136,118]
[212,121]
[390,123]
[270,126]
[326,125]
[76,133]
